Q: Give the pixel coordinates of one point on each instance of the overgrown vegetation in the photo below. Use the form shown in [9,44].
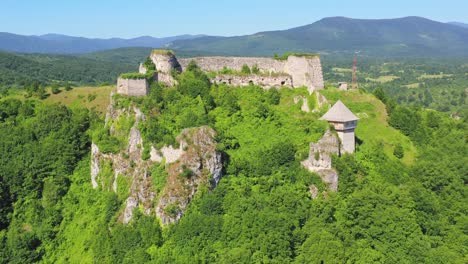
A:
[391,209]
[19,71]
[285,56]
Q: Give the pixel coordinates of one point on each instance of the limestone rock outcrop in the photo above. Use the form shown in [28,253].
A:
[196,162]
[199,164]
[320,159]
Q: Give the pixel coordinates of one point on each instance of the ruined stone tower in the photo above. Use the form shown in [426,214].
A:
[344,122]
[165,62]
[132,86]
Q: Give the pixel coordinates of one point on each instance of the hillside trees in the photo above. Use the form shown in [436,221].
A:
[39,150]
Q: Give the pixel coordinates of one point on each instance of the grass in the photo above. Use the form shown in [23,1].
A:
[162,52]
[83,97]
[335,69]
[383,79]
[286,55]
[373,127]
[133,75]
[434,76]
[412,85]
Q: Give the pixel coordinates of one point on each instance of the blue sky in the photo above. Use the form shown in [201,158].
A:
[132,18]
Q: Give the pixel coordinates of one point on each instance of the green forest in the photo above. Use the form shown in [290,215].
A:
[439,84]
[20,71]
[402,197]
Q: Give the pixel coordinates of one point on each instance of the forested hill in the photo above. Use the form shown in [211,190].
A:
[401,197]
[409,36]
[16,70]
[62,44]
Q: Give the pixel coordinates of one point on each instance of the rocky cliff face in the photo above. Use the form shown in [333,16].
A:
[320,159]
[194,164]
[198,164]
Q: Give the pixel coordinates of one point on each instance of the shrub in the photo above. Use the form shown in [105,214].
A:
[68,87]
[255,69]
[91,97]
[398,152]
[245,69]
[55,88]
[186,172]
[149,65]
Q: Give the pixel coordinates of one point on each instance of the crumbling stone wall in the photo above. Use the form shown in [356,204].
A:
[132,87]
[295,71]
[235,63]
[304,70]
[266,82]
[320,159]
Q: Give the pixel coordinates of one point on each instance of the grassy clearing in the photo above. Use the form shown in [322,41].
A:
[342,70]
[383,79]
[412,85]
[434,76]
[373,127]
[97,98]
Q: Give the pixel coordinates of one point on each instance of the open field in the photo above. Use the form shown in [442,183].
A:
[383,79]
[97,98]
[434,76]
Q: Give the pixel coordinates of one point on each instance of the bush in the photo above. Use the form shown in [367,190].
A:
[55,88]
[245,69]
[186,172]
[91,97]
[255,69]
[398,152]
[149,65]
[68,87]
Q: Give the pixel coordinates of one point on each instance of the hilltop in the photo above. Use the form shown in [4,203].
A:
[63,44]
[408,36]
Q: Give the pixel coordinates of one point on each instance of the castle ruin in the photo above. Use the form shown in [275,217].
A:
[296,70]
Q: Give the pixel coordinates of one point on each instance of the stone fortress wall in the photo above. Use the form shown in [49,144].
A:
[303,70]
[295,71]
[132,87]
[265,81]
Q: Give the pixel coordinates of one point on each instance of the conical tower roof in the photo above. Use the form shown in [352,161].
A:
[339,113]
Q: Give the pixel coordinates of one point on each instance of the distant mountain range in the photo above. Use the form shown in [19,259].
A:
[458,24]
[408,36]
[62,44]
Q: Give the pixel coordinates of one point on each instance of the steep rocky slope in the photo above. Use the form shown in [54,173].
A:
[128,172]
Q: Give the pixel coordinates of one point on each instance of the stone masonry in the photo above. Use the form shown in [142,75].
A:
[304,70]
[295,71]
[132,87]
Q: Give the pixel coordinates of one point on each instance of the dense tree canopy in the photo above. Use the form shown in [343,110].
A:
[389,209]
